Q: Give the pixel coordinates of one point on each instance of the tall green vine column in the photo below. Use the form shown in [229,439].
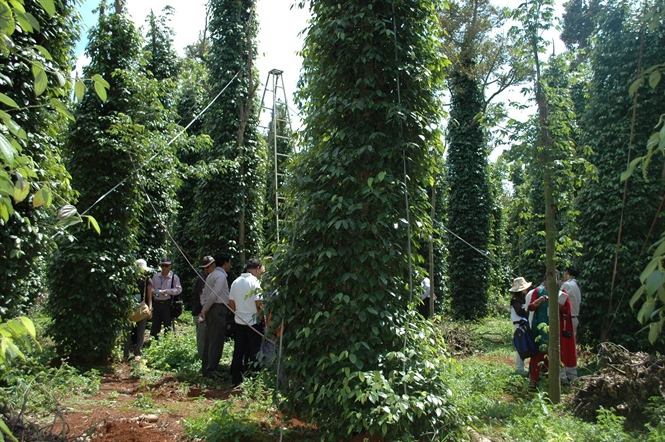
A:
[372,112]
[230,195]
[469,199]
[92,276]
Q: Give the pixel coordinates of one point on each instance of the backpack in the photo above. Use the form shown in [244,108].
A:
[523,340]
[176,303]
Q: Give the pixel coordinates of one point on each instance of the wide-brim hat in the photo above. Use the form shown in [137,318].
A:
[206,261]
[141,264]
[520,284]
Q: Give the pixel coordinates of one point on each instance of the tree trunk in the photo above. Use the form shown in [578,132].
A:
[550,236]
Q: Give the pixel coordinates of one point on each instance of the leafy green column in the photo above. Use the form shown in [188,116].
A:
[372,112]
[92,275]
[26,238]
[230,196]
[469,199]
[608,123]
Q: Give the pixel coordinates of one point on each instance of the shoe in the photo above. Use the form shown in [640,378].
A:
[137,358]
[533,386]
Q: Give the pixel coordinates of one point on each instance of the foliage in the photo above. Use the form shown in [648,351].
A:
[92,277]
[33,79]
[161,58]
[239,418]
[653,276]
[15,335]
[229,196]
[469,199]
[355,359]
[174,352]
[569,175]
[610,275]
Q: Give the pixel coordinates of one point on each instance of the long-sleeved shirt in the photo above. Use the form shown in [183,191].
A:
[170,284]
[216,290]
[573,291]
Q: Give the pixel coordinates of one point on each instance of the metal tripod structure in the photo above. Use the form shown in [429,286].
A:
[274,82]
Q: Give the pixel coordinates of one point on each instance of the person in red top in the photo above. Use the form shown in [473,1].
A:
[567,339]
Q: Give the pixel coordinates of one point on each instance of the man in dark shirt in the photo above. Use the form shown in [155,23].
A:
[518,311]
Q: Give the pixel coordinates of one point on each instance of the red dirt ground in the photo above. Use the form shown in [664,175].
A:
[111,415]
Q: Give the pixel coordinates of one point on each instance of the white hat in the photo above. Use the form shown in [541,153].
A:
[519,284]
[141,264]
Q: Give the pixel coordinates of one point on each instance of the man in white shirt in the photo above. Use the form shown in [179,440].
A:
[165,285]
[245,301]
[215,299]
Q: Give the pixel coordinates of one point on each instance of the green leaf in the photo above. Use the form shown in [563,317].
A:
[45,53]
[654,281]
[61,108]
[635,86]
[48,6]
[29,326]
[32,20]
[653,264]
[5,429]
[79,89]
[655,329]
[41,81]
[636,297]
[7,150]
[21,191]
[92,222]
[7,100]
[631,168]
[99,79]
[654,79]
[18,5]
[42,198]
[101,91]
[23,21]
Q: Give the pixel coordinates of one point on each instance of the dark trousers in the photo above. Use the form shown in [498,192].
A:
[213,347]
[246,350]
[423,308]
[161,314]
[135,339]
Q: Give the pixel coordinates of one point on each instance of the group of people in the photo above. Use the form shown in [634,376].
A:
[532,304]
[213,301]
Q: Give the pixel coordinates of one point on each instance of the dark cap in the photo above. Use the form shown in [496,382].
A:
[206,261]
[166,261]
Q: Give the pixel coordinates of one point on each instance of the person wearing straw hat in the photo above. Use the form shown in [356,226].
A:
[518,311]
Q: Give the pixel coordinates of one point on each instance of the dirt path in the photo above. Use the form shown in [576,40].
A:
[128,409]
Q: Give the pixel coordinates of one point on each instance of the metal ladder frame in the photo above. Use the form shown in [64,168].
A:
[277,83]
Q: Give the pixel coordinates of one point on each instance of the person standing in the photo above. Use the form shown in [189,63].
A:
[538,314]
[571,288]
[245,301]
[423,308]
[165,285]
[567,346]
[136,335]
[215,301]
[518,312]
[197,307]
